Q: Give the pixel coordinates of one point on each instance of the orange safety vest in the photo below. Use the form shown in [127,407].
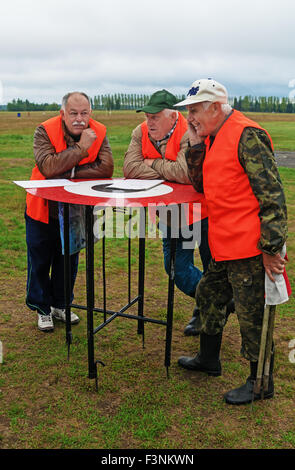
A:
[37,208]
[173,144]
[172,148]
[233,209]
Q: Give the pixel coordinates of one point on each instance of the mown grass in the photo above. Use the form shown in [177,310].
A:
[48,402]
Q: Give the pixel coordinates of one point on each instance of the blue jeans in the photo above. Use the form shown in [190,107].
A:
[45,281]
[187,275]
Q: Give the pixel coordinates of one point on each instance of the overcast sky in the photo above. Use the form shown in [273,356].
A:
[130,46]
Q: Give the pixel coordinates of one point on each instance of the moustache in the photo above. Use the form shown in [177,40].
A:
[82,123]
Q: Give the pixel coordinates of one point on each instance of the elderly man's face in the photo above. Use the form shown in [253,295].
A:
[159,124]
[203,120]
[76,114]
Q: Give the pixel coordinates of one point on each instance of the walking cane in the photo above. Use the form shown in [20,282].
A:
[278,296]
[269,346]
[262,378]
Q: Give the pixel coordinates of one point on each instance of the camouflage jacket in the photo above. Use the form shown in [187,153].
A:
[257,159]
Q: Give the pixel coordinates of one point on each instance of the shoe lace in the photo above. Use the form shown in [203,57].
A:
[46,318]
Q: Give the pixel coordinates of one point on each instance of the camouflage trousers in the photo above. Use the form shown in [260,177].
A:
[242,280]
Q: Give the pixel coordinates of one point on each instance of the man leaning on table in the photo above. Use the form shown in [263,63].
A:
[231,160]
[70,145]
[157,151]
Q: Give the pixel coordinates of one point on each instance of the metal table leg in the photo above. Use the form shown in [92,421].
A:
[67,275]
[92,369]
[141,270]
[141,319]
[171,285]
[129,255]
[104,293]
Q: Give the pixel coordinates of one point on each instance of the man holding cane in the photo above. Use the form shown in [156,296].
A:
[231,160]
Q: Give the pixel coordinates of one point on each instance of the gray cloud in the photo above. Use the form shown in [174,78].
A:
[114,46]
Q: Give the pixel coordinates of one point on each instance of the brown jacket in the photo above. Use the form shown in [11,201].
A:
[134,166]
[60,165]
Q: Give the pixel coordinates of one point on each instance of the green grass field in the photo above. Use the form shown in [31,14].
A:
[48,402]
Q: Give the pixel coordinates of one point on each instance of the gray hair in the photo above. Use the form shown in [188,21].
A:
[68,95]
[225,107]
[168,112]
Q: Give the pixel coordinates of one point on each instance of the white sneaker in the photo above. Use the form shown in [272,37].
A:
[45,322]
[60,314]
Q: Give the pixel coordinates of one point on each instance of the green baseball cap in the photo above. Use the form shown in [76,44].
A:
[158,101]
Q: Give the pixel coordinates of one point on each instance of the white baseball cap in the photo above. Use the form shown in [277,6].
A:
[205,89]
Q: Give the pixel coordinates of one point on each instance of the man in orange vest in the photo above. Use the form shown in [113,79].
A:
[231,160]
[157,151]
[71,145]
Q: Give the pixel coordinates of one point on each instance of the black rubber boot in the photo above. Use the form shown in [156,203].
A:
[245,393]
[207,360]
[194,326]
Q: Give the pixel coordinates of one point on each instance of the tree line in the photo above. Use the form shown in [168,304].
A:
[122,101]
[262,104]
[20,105]
[118,101]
